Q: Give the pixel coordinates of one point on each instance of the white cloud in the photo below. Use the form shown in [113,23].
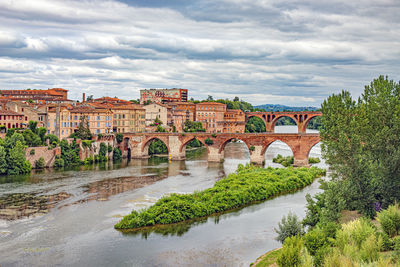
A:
[295,52]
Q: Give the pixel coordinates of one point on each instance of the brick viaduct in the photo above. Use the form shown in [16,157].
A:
[270,119]
[137,144]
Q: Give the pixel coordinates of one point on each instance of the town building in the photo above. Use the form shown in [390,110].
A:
[11,119]
[180,113]
[162,96]
[157,111]
[234,121]
[211,114]
[54,95]
[29,110]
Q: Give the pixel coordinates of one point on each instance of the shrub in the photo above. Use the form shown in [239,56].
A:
[32,152]
[119,137]
[87,143]
[99,136]
[314,240]
[214,135]
[208,141]
[313,160]
[390,220]
[354,233]
[289,226]
[59,162]
[40,163]
[290,255]
[396,247]
[88,160]
[117,155]
[247,185]
[109,148]
[252,148]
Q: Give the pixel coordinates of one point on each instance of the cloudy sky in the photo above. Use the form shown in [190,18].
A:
[293,52]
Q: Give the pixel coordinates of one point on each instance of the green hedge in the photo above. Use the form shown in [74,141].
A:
[247,185]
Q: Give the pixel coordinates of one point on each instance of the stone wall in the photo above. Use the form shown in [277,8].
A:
[49,155]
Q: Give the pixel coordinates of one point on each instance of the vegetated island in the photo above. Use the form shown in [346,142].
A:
[248,185]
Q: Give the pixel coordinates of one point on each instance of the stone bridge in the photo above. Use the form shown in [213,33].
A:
[136,145]
[301,118]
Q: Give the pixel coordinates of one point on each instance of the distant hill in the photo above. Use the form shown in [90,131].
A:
[272,107]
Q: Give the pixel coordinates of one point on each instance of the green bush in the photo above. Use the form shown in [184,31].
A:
[390,220]
[214,135]
[314,240]
[109,148]
[313,160]
[208,141]
[89,160]
[252,148]
[59,162]
[32,152]
[290,255]
[87,143]
[396,247]
[40,163]
[289,226]
[247,185]
[285,161]
[119,137]
[117,155]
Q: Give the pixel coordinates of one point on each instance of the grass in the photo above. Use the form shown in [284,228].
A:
[267,259]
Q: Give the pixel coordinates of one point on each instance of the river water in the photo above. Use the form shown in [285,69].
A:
[67,217]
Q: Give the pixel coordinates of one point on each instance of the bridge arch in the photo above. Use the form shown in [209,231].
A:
[226,141]
[313,145]
[307,121]
[146,144]
[268,144]
[278,117]
[185,143]
[254,120]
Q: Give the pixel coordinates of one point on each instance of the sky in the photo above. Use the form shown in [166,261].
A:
[291,52]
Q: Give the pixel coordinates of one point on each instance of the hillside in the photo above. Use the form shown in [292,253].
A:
[272,107]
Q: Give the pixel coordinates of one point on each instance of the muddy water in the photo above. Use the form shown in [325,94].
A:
[67,218]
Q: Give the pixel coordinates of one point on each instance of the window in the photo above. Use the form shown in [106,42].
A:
[98,124]
[98,118]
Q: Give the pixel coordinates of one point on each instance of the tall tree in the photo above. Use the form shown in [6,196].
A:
[361,143]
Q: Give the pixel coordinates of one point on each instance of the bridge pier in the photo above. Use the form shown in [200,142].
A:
[256,155]
[214,155]
[174,146]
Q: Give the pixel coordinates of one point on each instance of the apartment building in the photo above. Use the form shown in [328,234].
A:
[211,114]
[234,121]
[11,119]
[158,111]
[162,96]
[129,118]
[180,113]
[31,112]
[63,120]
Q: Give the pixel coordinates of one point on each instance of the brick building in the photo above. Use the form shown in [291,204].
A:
[234,121]
[162,96]
[54,95]
[11,119]
[210,113]
[180,113]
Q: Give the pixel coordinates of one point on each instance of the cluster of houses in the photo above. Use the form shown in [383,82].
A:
[61,116]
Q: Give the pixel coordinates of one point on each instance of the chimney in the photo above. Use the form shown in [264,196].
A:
[83,97]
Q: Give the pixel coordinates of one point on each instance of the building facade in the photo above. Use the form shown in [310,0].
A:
[180,113]
[162,96]
[54,95]
[211,114]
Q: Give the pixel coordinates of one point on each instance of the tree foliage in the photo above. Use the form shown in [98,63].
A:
[193,126]
[361,143]
[255,125]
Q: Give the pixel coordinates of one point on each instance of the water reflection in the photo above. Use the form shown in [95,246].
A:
[18,206]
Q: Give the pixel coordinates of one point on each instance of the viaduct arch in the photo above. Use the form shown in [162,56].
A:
[257,143]
[270,118]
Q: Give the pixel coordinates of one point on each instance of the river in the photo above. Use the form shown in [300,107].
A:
[66,218]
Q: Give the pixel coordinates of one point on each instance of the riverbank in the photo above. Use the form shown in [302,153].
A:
[249,184]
